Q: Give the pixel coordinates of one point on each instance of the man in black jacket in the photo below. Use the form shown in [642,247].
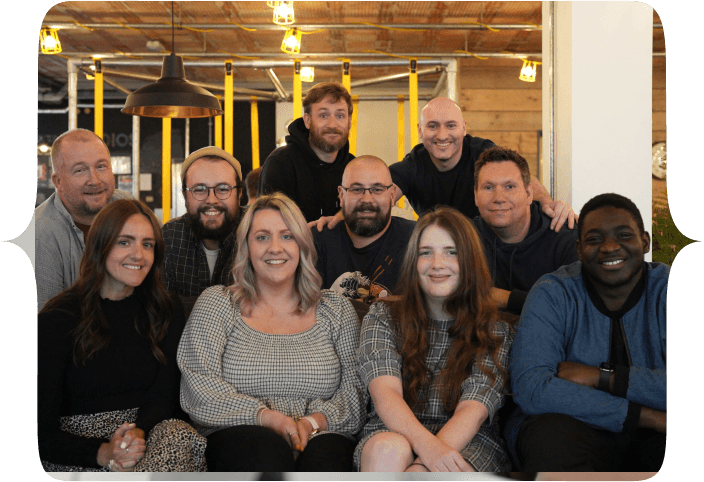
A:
[519,245]
[309,167]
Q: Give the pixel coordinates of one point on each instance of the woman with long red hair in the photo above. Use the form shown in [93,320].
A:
[435,360]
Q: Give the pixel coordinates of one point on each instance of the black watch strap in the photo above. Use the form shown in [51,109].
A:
[605,371]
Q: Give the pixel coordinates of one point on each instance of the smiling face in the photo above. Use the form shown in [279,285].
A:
[438,267]
[130,258]
[503,200]
[329,124]
[612,248]
[273,251]
[83,177]
[212,218]
[368,214]
[442,129]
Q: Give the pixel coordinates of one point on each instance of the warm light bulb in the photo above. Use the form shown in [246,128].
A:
[307,74]
[528,71]
[283,13]
[49,42]
[292,41]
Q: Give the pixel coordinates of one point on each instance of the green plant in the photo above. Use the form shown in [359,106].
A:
[667,239]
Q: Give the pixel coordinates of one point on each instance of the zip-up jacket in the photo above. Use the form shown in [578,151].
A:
[295,170]
[516,267]
[561,323]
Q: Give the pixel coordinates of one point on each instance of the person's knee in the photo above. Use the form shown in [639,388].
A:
[386,451]
[250,449]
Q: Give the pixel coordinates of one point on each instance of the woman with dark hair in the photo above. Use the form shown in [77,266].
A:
[269,363]
[435,360]
[107,354]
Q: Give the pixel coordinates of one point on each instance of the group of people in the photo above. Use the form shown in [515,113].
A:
[312,330]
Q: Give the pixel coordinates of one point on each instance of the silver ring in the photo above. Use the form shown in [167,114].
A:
[292,433]
[128,449]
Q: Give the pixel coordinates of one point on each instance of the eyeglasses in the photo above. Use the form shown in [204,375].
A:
[374,190]
[201,192]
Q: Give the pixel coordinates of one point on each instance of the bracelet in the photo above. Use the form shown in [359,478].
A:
[259,416]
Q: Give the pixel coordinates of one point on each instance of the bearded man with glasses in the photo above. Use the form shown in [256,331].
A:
[360,258]
[200,245]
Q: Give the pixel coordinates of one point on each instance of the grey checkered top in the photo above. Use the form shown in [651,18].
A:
[379,355]
[230,370]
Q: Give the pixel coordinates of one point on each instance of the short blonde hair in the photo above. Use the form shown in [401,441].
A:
[308,281]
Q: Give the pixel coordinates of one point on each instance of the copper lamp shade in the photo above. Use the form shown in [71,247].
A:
[172,96]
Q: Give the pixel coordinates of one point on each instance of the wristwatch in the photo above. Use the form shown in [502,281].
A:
[605,371]
[313,423]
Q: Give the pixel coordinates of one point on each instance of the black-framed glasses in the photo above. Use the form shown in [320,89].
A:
[374,190]
[201,192]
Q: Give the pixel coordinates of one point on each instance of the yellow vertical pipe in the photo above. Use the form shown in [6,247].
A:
[297,91]
[166,168]
[346,81]
[255,131]
[228,107]
[413,90]
[353,125]
[218,128]
[98,84]
[401,119]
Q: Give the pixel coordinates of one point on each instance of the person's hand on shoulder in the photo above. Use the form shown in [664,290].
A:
[560,212]
[329,221]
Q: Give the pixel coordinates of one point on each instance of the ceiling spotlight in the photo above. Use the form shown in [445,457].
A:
[283,13]
[307,74]
[292,41]
[529,70]
[49,41]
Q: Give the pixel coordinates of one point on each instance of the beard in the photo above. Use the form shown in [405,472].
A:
[317,140]
[228,226]
[367,227]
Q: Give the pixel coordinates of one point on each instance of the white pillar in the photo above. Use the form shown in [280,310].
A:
[602,97]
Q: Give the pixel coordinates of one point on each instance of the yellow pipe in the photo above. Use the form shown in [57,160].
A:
[297,91]
[413,90]
[401,119]
[346,81]
[98,84]
[166,168]
[218,129]
[228,107]
[255,131]
[353,125]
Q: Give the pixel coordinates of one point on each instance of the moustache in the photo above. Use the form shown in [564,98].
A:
[367,207]
[332,131]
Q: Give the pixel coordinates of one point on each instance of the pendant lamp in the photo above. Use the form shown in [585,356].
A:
[172,95]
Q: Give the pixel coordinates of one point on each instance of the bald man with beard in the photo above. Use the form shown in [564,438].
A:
[361,257]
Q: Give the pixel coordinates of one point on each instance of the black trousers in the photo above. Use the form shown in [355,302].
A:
[559,443]
[251,448]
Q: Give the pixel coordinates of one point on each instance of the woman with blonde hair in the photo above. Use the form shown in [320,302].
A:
[268,364]
[108,380]
[435,360]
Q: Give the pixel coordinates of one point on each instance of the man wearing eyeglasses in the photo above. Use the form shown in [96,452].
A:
[200,245]
[360,258]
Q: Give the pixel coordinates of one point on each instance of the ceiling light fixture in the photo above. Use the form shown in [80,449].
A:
[49,41]
[172,96]
[529,70]
[307,74]
[283,13]
[292,41]
[273,4]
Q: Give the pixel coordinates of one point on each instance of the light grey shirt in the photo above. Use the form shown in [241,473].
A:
[59,245]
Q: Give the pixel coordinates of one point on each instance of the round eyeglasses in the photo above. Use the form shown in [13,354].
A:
[374,190]
[201,192]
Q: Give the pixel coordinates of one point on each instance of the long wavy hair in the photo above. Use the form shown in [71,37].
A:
[307,282]
[93,331]
[470,306]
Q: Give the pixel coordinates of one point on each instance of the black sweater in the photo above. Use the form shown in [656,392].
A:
[517,266]
[122,376]
[295,170]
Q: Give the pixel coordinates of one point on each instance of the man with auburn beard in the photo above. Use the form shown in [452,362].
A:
[361,257]
[309,167]
[200,245]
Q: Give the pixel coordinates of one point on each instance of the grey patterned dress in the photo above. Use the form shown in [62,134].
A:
[379,355]
[230,370]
